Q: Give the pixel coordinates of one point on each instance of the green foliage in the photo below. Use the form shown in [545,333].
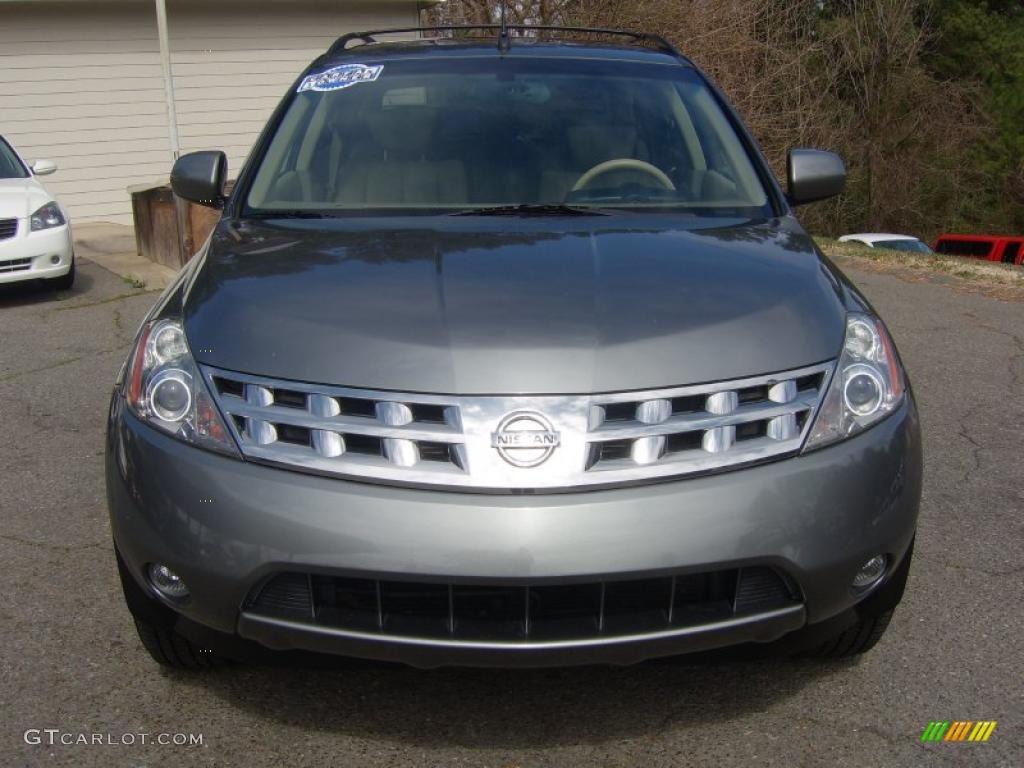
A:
[983,42]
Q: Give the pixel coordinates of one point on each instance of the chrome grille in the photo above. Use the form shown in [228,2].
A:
[15,265]
[8,228]
[353,432]
[451,441]
[702,428]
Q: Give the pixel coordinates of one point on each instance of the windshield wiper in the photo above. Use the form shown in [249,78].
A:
[531,209]
[293,214]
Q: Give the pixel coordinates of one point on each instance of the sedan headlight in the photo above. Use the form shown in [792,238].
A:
[47,217]
[868,383]
[165,389]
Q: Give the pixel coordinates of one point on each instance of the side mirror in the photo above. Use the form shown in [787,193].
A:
[199,177]
[814,175]
[43,167]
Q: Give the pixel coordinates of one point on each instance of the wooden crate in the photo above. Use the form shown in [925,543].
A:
[169,230]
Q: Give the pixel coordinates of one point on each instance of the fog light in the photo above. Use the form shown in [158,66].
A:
[167,582]
[870,572]
[55,259]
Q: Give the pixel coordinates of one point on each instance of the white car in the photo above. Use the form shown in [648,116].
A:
[888,241]
[35,231]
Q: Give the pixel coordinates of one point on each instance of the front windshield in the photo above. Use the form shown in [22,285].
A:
[10,166]
[458,134]
[903,245]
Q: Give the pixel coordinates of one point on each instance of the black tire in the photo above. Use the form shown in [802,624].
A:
[155,624]
[64,282]
[873,617]
[858,639]
[169,649]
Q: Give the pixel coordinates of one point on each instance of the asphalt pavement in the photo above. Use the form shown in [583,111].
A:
[70,660]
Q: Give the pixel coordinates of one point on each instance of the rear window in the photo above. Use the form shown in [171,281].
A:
[915,246]
[965,247]
[466,133]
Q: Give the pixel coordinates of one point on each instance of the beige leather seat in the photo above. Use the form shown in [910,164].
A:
[592,144]
[296,187]
[397,182]
[708,185]
[314,176]
[393,167]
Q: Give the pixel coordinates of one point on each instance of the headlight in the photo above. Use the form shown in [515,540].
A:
[47,217]
[165,389]
[867,385]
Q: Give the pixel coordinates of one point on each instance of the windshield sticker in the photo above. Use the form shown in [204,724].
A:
[336,78]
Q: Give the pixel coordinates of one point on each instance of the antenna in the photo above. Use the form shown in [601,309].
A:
[504,39]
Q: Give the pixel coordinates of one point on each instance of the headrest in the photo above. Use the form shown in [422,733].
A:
[591,144]
[401,130]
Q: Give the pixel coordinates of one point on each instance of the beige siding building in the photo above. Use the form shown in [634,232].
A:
[89,85]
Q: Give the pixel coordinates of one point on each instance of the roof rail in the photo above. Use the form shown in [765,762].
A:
[657,41]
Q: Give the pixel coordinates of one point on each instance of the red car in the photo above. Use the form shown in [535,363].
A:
[1008,250]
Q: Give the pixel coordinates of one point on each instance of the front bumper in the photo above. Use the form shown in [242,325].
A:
[225,525]
[30,255]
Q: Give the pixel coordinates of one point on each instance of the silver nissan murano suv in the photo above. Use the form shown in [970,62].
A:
[509,350]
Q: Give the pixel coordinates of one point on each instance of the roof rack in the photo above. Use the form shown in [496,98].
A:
[657,41]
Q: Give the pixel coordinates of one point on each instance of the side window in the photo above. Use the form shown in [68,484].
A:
[712,147]
[277,179]
[728,174]
[1010,252]
[10,166]
[660,131]
[977,248]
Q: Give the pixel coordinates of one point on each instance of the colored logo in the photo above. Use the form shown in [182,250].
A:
[959,730]
[337,78]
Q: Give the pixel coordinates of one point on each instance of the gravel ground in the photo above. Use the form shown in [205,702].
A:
[70,659]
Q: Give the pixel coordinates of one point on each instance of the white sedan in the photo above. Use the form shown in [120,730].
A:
[35,231]
[890,242]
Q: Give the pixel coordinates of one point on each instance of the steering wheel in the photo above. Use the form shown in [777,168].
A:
[623,164]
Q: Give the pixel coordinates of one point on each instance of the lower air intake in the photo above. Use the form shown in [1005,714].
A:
[523,613]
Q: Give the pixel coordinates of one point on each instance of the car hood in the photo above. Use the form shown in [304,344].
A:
[20,198]
[502,306]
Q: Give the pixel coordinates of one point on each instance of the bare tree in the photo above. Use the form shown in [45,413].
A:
[543,12]
[907,136]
